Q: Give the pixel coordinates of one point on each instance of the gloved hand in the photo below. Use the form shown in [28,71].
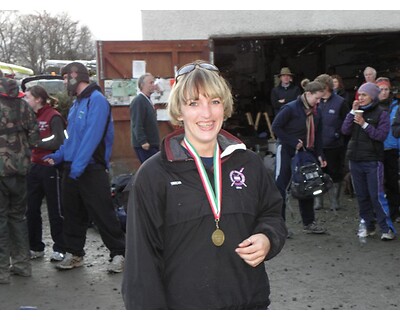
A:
[53,159]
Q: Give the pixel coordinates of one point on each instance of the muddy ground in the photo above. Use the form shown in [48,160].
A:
[313,272]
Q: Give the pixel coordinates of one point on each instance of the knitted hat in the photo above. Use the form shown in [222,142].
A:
[9,88]
[77,73]
[285,71]
[383,81]
[370,89]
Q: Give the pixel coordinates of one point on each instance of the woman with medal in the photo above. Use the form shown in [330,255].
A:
[203,213]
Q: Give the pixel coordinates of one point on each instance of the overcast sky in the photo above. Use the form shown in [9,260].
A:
[121,19]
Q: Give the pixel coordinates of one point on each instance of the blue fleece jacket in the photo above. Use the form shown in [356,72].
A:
[87,120]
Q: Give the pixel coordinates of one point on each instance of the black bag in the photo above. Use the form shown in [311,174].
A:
[308,179]
[120,197]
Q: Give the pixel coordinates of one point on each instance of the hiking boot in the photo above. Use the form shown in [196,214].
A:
[314,228]
[70,261]
[57,256]
[116,265]
[36,254]
[387,236]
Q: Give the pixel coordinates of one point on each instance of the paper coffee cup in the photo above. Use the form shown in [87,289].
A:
[360,112]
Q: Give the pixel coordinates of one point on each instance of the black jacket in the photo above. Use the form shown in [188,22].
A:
[144,126]
[171,262]
[289,93]
[367,144]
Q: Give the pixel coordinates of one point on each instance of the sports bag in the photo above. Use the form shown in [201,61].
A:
[308,179]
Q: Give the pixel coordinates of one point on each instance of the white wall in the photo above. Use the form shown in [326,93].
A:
[202,24]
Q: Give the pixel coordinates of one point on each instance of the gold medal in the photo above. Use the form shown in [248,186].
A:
[218,237]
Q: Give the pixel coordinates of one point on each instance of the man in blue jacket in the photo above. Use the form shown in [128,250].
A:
[85,186]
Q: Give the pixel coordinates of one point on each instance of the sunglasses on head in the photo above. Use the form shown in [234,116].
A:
[191,66]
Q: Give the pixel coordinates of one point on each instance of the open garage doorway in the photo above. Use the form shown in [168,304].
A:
[251,65]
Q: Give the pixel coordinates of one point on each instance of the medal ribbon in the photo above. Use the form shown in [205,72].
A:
[214,198]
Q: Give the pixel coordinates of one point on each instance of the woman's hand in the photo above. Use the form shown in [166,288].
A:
[299,145]
[254,249]
[322,162]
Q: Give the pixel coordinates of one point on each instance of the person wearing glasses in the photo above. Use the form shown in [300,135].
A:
[204,213]
[144,128]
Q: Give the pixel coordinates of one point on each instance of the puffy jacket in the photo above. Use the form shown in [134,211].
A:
[367,144]
[333,112]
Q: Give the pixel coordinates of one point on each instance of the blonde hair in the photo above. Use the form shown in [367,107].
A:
[199,81]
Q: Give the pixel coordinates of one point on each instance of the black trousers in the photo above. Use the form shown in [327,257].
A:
[44,181]
[90,197]
[335,158]
[283,177]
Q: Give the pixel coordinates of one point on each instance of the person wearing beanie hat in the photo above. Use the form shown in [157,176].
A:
[368,125]
[9,88]
[85,185]
[285,91]
[383,81]
[391,153]
[370,89]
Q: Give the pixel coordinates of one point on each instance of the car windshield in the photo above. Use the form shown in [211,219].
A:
[52,86]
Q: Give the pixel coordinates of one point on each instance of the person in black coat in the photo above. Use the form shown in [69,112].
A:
[204,212]
[144,127]
[285,92]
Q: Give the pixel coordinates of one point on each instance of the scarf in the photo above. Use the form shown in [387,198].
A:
[310,111]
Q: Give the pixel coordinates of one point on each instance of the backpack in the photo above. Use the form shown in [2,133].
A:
[308,179]
[120,196]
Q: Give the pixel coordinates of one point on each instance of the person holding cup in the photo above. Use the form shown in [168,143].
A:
[368,125]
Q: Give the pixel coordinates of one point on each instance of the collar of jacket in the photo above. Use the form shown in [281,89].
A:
[370,106]
[172,149]
[89,90]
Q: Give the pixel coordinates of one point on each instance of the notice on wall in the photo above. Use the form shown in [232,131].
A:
[120,91]
[163,89]
[138,68]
